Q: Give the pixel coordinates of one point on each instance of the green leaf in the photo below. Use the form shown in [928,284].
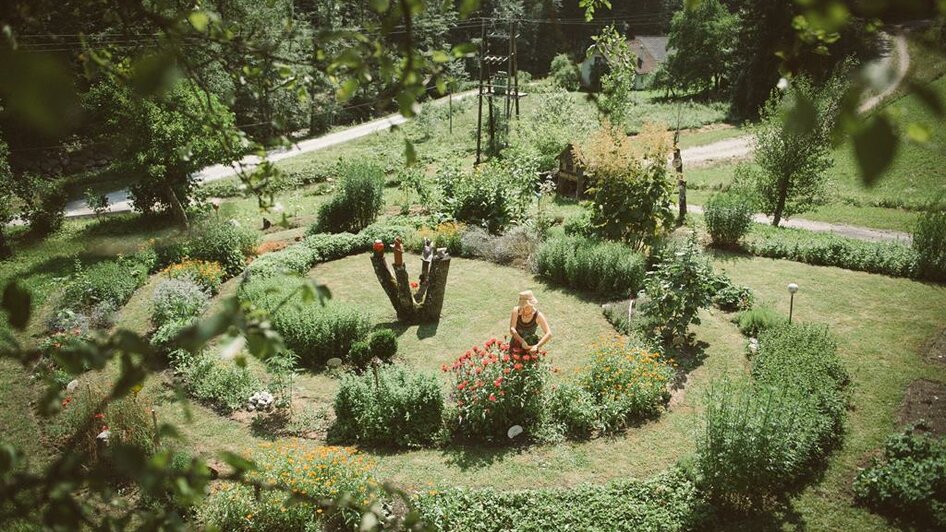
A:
[409,153]
[38,89]
[918,132]
[347,90]
[875,145]
[199,20]
[238,463]
[690,5]
[16,301]
[379,6]
[154,73]
[802,116]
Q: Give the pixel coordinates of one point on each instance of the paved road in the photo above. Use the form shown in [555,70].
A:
[119,201]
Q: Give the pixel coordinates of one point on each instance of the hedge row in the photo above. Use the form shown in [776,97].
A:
[825,249]
[315,249]
[606,268]
[668,501]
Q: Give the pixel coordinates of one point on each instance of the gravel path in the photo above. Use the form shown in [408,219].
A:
[850,231]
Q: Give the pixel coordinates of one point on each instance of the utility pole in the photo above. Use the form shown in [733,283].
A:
[678,168]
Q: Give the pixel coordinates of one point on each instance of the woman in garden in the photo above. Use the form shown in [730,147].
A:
[525,322]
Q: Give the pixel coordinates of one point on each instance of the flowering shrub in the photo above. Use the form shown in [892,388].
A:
[496,387]
[627,383]
[314,473]
[205,274]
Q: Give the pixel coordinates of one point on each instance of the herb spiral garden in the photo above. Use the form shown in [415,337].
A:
[629,415]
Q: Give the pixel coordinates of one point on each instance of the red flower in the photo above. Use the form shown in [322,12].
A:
[518,366]
[505,358]
[492,397]
[498,382]
[478,384]
[461,386]
[443,368]
[66,401]
[479,370]
[506,371]
[526,358]
[516,357]
[378,246]
[99,416]
[414,284]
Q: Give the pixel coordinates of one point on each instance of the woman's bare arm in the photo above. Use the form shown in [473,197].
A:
[512,328]
[545,329]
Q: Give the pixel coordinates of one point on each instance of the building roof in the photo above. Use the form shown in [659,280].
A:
[656,45]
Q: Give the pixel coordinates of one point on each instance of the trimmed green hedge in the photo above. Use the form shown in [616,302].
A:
[607,268]
[825,249]
[668,501]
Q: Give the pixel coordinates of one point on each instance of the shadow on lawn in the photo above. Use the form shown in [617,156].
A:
[467,457]
[687,357]
[424,330]
[780,516]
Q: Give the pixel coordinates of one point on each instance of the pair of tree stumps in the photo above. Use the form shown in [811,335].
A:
[422,301]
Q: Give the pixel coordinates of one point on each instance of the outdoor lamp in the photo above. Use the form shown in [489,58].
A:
[792,288]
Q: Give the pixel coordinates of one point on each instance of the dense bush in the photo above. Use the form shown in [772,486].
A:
[760,318]
[668,501]
[564,72]
[729,297]
[929,242]
[571,410]
[177,299]
[314,333]
[289,467]
[825,249]
[112,281]
[677,288]
[213,381]
[207,275]
[496,388]
[516,244]
[444,235]
[226,243]
[389,406]
[606,268]
[728,217]
[909,481]
[44,202]
[627,384]
[494,196]
[766,439]
[357,200]
[383,344]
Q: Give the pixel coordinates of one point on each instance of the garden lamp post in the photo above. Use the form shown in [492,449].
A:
[792,288]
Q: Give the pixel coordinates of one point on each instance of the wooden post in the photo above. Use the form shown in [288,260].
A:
[479,114]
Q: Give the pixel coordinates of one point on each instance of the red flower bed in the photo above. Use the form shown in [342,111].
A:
[495,387]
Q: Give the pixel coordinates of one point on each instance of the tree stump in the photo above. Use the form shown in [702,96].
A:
[414,306]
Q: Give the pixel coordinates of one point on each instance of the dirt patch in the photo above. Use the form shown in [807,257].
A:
[926,400]
[935,349]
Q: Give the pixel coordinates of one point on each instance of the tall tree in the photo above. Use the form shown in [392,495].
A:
[702,42]
[163,140]
[792,146]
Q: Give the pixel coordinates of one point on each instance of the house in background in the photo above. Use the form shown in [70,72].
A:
[572,178]
[651,52]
